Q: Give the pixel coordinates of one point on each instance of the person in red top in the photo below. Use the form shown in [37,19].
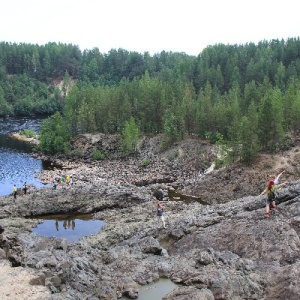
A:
[270,191]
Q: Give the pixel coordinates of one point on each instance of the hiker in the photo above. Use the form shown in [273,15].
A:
[15,190]
[55,183]
[276,179]
[25,188]
[68,180]
[160,210]
[270,191]
[63,180]
[202,171]
[71,181]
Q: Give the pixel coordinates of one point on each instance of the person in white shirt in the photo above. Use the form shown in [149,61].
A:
[160,210]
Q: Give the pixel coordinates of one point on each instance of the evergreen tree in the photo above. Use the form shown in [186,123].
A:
[205,119]
[5,108]
[248,135]
[171,132]
[54,135]
[71,109]
[130,137]
[270,121]
[295,116]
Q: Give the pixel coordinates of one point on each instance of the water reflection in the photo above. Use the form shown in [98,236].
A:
[66,224]
[6,142]
[70,228]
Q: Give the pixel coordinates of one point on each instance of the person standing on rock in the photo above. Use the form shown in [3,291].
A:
[276,182]
[160,216]
[202,171]
[15,191]
[71,181]
[55,183]
[270,191]
[68,181]
[63,180]
[276,178]
[25,188]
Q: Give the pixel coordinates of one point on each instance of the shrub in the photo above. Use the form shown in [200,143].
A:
[130,137]
[76,152]
[99,155]
[29,133]
[54,135]
[146,162]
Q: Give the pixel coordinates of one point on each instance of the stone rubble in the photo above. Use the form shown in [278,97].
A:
[222,249]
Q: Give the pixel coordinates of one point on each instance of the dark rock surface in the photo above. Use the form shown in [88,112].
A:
[226,250]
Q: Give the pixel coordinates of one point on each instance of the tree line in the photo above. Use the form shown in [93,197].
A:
[243,96]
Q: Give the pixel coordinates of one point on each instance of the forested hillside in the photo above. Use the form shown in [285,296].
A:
[247,95]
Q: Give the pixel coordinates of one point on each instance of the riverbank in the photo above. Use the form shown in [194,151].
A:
[221,249]
[21,137]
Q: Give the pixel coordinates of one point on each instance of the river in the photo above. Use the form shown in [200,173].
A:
[16,164]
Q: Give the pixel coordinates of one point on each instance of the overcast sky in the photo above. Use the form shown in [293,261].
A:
[153,25]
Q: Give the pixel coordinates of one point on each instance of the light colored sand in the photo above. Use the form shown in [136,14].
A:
[14,284]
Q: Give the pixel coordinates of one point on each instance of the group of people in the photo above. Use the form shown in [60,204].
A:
[272,187]
[66,224]
[63,181]
[15,190]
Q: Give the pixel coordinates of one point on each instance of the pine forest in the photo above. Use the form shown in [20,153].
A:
[246,97]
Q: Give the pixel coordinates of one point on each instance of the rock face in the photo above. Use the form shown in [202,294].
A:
[225,250]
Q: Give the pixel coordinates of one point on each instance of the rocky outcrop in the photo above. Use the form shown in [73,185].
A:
[224,250]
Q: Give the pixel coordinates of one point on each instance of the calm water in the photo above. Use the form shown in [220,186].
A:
[186,199]
[68,227]
[156,290]
[16,163]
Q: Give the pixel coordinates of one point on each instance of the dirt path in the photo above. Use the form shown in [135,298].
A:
[15,284]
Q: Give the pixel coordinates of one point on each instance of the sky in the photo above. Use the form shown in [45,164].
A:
[151,26]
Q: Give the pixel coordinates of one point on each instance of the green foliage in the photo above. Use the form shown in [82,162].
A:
[29,133]
[170,93]
[6,109]
[171,132]
[54,135]
[78,152]
[145,163]
[23,107]
[270,119]
[226,151]
[130,137]
[219,163]
[295,113]
[99,155]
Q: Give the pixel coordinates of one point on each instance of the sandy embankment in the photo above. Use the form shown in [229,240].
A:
[15,284]
[18,136]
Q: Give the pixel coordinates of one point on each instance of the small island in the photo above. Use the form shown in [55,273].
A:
[26,135]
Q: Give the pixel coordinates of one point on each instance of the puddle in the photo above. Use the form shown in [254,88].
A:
[186,199]
[156,290]
[71,228]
